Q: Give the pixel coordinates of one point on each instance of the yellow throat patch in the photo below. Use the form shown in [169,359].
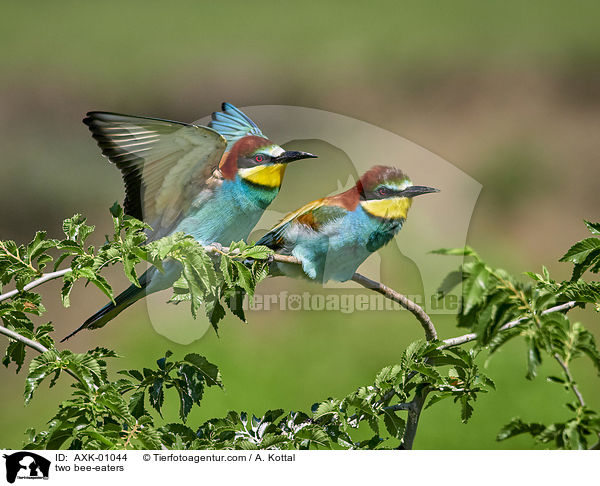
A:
[264,175]
[393,208]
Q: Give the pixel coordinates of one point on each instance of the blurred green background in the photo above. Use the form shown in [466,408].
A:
[509,92]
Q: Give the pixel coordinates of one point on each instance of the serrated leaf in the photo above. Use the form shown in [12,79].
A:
[466,409]
[258,252]
[393,424]
[136,404]
[593,227]
[157,395]
[39,368]
[581,250]
[516,427]
[211,372]
[244,278]
[475,286]
[534,359]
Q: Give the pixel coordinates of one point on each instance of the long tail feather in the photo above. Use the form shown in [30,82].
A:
[110,310]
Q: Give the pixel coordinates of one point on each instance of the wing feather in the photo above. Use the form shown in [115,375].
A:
[233,124]
[164,164]
[311,216]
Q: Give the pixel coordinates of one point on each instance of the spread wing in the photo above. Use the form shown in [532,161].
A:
[313,215]
[233,124]
[165,164]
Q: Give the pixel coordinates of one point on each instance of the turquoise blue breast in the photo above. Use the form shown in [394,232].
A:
[227,214]
[342,245]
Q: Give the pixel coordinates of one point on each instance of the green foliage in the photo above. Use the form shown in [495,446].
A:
[206,284]
[104,412]
[109,414]
[497,307]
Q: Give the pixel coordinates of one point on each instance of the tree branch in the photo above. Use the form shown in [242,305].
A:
[414,407]
[43,279]
[409,305]
[398,406]
[22,339]
[465,338]
[40,348]
[412,421]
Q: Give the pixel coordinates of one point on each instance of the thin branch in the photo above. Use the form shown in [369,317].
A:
[465,338]
[399,406]
[572,384]
[409,305]
[22,339]
[43,279]
[40,348]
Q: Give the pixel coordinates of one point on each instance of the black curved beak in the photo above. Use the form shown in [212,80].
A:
[413,191]
[290,156]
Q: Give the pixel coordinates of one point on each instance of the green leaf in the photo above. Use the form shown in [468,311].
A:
[516,427]
[39,368]
[244,278]
[116,210]
[234,298]
[427,371]
[257,252]
[225,267]
[214,311]
[129,269]
[100,282]
[437,398]
[211,373]
[68,281]
[581,250]
[136,404]
[450,281]
[393,424]
[466,409]
[157,395]
[593,227]
[534,359]
[15,352]
[465,251]
[329,407]
[475,286]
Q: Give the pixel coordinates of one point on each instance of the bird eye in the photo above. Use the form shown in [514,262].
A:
[258,158]
[382,191]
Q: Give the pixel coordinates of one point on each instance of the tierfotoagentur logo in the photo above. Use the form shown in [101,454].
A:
[26,465]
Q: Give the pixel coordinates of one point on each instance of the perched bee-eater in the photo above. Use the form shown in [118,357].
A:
[334,235]
[213,182]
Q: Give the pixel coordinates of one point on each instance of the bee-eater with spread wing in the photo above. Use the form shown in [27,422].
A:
[213,182]
[334,235]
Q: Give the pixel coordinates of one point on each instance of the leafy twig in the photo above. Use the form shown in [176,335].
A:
[465,338]
[572,384]
[18,258]
[22,339]
[40,348]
